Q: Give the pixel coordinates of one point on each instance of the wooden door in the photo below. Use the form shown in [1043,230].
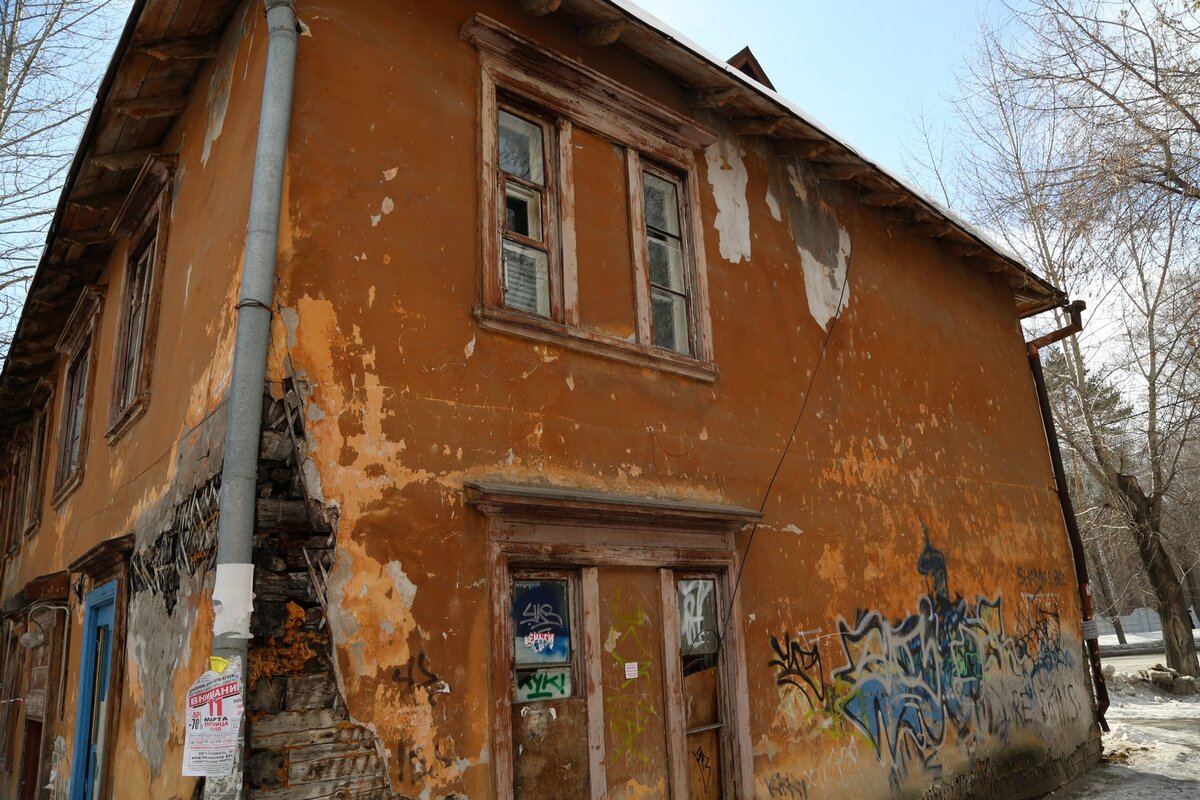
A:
[632,682]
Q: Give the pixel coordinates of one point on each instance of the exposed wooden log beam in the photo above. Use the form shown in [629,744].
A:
[963,249]
[99,201]
[806,148]
[840,172]
[125,159]
[601,34]
[712,98]
[885,198]
[538,8]
[937,230]
[185,49]
[759,126]
[87,236]
[150,107]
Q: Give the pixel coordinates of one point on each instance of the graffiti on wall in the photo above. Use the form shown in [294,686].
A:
[905,684]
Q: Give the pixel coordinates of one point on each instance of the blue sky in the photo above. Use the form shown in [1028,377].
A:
[861,67]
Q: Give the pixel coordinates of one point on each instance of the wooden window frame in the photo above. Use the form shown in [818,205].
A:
[39,430]
[517,70]
[143,223]
[18,490]
[696,289]
[10,676]
[76,344]
[558,530]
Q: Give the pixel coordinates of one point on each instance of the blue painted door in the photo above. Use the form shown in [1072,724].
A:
[92,711]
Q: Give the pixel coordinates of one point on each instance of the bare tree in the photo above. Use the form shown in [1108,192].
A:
[1084,162]
[51,53]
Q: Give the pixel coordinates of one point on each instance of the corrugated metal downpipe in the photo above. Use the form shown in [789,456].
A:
[233,593]
[1068,508]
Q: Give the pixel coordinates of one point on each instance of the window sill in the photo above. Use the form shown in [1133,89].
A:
[528,326]
[124,419]
[69,485]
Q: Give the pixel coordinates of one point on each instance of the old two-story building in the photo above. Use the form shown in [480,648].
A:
[542,408]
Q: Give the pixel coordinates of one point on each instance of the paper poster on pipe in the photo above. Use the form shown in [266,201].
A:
[213,720]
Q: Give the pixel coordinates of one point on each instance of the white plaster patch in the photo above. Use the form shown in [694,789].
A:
[187,283]
[291,323]
[773,206]
[390,174]
[469,349]
[407,589]
[387,206]
[825,284]
[375,219]
[728,177]
[571,382]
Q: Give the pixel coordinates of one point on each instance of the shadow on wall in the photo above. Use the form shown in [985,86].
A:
[905,684]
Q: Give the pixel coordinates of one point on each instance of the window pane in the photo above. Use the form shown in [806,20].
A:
[666,262]
[521,148]
[668,321]
[523,211]
[526,279]
[541,622]
[698,626]
[662,204]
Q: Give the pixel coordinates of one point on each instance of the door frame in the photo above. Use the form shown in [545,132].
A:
[536,527]
[100,607]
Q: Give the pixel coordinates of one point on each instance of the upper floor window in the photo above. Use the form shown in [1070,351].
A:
[76,345]
[668,270]
[142,223]
[527,250]
[590,233]
[74,408]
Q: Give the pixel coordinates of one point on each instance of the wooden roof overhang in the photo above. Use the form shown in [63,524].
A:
[164,45]
[758,110]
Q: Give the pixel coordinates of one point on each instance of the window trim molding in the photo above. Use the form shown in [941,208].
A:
[594,99]
[555,528]
[77,341]
[144,218]
[514,67]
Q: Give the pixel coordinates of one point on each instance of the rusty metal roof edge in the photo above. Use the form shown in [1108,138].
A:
[655,24]
[81,152]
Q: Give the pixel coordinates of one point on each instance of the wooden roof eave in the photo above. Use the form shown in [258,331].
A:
[758,110]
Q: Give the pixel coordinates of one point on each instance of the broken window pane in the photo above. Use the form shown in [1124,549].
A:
[668,320]
[521,148]
[662,205]
[523,211]
[526,278]
[698,628]
[541,622]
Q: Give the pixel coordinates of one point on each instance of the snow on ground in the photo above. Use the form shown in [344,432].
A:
[1152,751]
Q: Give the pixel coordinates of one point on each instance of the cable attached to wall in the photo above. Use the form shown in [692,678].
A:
[812,378]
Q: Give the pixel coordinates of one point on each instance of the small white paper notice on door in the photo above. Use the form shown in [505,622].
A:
[631,671]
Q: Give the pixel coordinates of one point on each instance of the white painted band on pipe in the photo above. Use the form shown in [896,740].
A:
[233,600]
